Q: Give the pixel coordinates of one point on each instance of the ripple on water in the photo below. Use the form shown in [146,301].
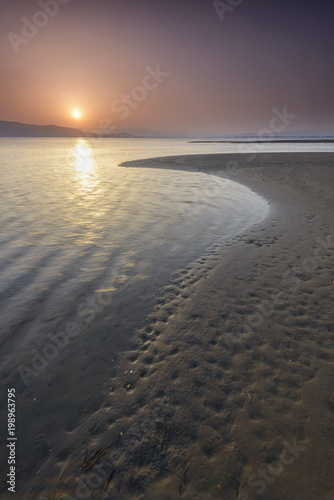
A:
[76,224]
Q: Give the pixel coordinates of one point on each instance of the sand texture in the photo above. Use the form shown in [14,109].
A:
[227,392]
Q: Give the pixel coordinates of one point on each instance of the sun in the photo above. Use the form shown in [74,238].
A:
[76,114]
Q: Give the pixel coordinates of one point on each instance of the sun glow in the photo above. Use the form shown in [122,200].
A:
[76,114]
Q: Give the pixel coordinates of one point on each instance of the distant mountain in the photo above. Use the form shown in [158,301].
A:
[17,129]
[299,136]
[309,134]
[158,134]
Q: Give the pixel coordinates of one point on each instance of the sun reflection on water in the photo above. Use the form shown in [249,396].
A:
[86,191]
[85,169]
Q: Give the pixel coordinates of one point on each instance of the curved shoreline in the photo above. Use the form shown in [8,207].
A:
[266,307]
[249,169]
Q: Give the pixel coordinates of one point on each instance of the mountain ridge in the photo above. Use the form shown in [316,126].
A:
[18,129]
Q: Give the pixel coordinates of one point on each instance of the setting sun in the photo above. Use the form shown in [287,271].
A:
[76,114]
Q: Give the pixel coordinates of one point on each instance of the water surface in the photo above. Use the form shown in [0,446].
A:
[75,223]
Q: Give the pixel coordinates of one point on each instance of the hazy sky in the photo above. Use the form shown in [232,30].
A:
[218,74]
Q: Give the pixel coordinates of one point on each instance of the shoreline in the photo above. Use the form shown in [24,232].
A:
[227,390]
[259,141]
[236,166]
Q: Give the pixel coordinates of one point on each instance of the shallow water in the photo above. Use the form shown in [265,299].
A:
[75,224]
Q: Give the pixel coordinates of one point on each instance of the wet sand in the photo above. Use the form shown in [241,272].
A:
[227,391]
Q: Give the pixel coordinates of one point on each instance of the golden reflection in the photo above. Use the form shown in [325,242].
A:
[86,191]
[85,168]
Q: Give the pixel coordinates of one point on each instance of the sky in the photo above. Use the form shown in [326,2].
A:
[189,66]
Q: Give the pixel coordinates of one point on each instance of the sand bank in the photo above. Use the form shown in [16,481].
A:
[228,390]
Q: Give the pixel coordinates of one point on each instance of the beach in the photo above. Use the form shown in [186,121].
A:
[227,391]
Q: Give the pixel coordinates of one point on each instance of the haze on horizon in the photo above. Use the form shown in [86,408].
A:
[189,68]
